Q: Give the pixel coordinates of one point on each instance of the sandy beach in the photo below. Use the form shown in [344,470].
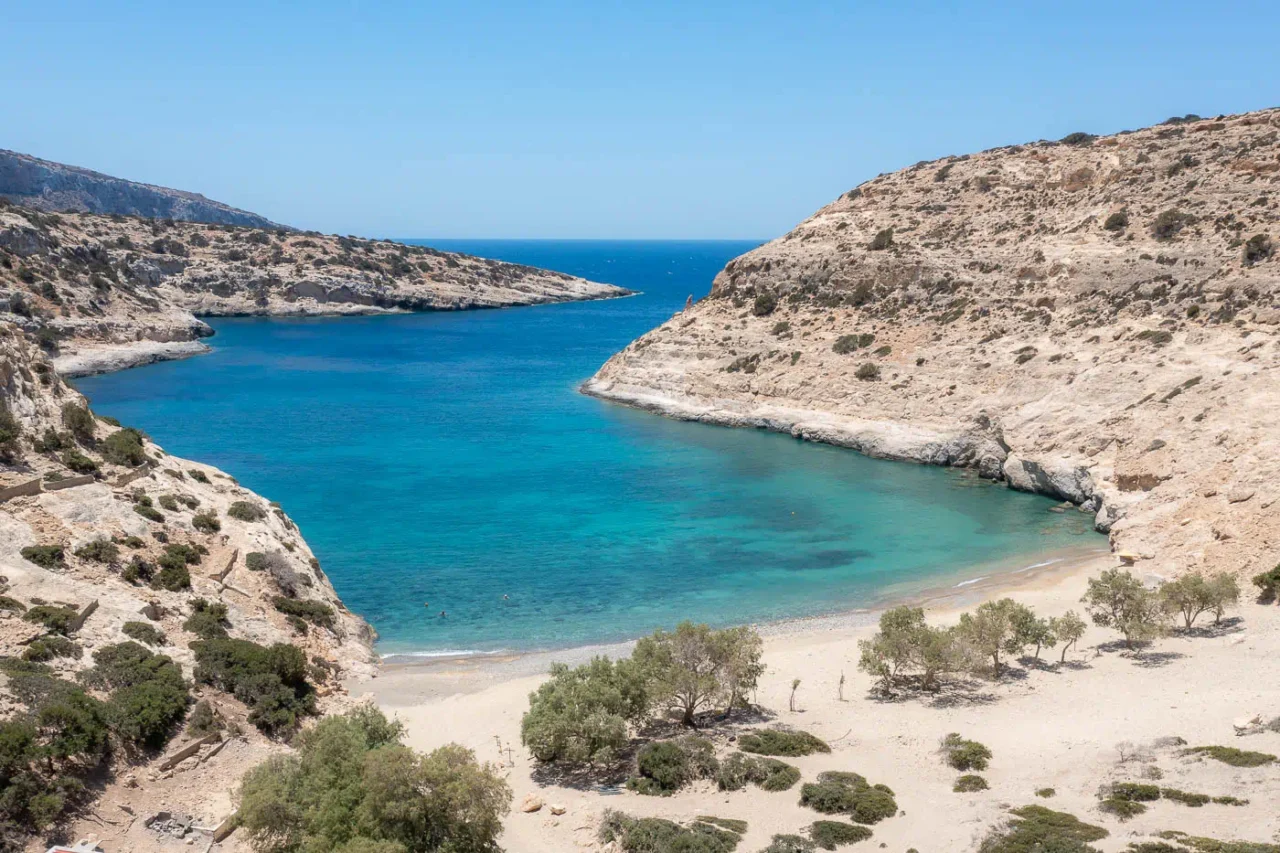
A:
[1071,727]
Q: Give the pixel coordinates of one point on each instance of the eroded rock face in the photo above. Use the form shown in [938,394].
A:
[1082,320]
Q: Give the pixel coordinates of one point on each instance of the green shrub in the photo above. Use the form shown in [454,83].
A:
[1187,798]
[49,647]
[79,421]
[149,695]
[208,619]
[1257,249]
[169,502]
[99,551]
[270,680]
[581,715]
[791,744]
[10,433]
[1169,223]
[245,511]
[964,754]
[204,720]
[11,605]
[969,783]
[148,512]
[849,793]
[124,447]
[315,612]
[851,343]
[206,522]
[883,240]
[144,633]
[1035,829]
[664,767]
[830,834]
[1045,792]
[1225,754]
[55,619]
[1117,221]
[868,371]
[765,304]
[1078,138]
[1138,792]
[1268,584]
[1228,800]
[739,769]
[790,844]
[656,835]
[1121,809]
[352,787]
[198,475]
[255,561]
[78,462]
[138,571]
[44,556]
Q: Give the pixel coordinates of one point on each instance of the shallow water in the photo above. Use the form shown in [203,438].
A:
[447,458]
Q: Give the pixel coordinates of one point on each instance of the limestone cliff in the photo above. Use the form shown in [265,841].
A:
[105,292]
[1093,318]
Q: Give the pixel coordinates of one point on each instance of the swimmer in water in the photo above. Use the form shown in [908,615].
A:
[442,614]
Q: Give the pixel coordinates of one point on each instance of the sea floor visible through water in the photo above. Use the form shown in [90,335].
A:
[464,497]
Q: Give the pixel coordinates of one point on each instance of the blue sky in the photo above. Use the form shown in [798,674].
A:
[602,119]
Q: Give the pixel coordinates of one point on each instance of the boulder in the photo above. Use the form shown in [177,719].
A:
[531,803]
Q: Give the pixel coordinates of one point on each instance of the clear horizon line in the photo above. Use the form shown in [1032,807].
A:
[594,239]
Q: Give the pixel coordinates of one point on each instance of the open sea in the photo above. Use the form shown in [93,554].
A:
[448,458]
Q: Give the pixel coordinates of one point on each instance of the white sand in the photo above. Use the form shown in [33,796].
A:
[1050,727]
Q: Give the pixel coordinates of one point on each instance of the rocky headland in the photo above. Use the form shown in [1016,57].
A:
[1094,319]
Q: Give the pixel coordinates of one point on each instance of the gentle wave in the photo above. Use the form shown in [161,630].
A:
[446,653]
[975,580]
[1038,565]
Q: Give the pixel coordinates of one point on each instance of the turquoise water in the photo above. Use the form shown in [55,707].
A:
[447,458]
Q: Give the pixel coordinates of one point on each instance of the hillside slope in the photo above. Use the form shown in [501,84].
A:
[1094,319]
[105,292]
[57,187]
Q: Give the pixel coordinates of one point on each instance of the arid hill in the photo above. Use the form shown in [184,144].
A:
[105,292]
[1093,318]
[57,187]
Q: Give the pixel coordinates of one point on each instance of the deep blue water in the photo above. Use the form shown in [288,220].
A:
[447,458]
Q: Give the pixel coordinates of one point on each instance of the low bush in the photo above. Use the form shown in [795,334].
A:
[1137,792]
[739,769]
[830,834]
[1257,249]
[962,754]
[271,680]
[206,522]
[969,783]
[1268,584]
[1169,223]
[44,556]
[883,240]
[80,422]
[144,633]
[11,605]
[208,619]
[1046,792]
[169,502]
[255,561]
[315,612]
[784,742]
[867,371]
[1229,755]
[657,835]
[665,767]
[149,695]
[1036,829]
[846,344]
[838,792]
[54,618]
[147,511]
[1121,809]
[198,476]
[138,571]
[124,447]
[790,844]
[204,720]
[245,511]
[174,574]
[99,551]
[765,304]
[1117,221]
[78,462]
[49,647]
[1187,798]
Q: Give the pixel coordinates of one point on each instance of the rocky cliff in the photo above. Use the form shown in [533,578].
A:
[105,292]
[56,187]
[1094,319]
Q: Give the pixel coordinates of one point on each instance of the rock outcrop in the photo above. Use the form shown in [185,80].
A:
[105,292]
[56,187]
[1093,319]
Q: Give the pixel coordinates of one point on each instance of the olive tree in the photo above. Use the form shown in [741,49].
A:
[352,786]
[1192,595]
[995,627]
[695,667]
[1116,599]
[581,715]
[1067,629]
[905,644]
